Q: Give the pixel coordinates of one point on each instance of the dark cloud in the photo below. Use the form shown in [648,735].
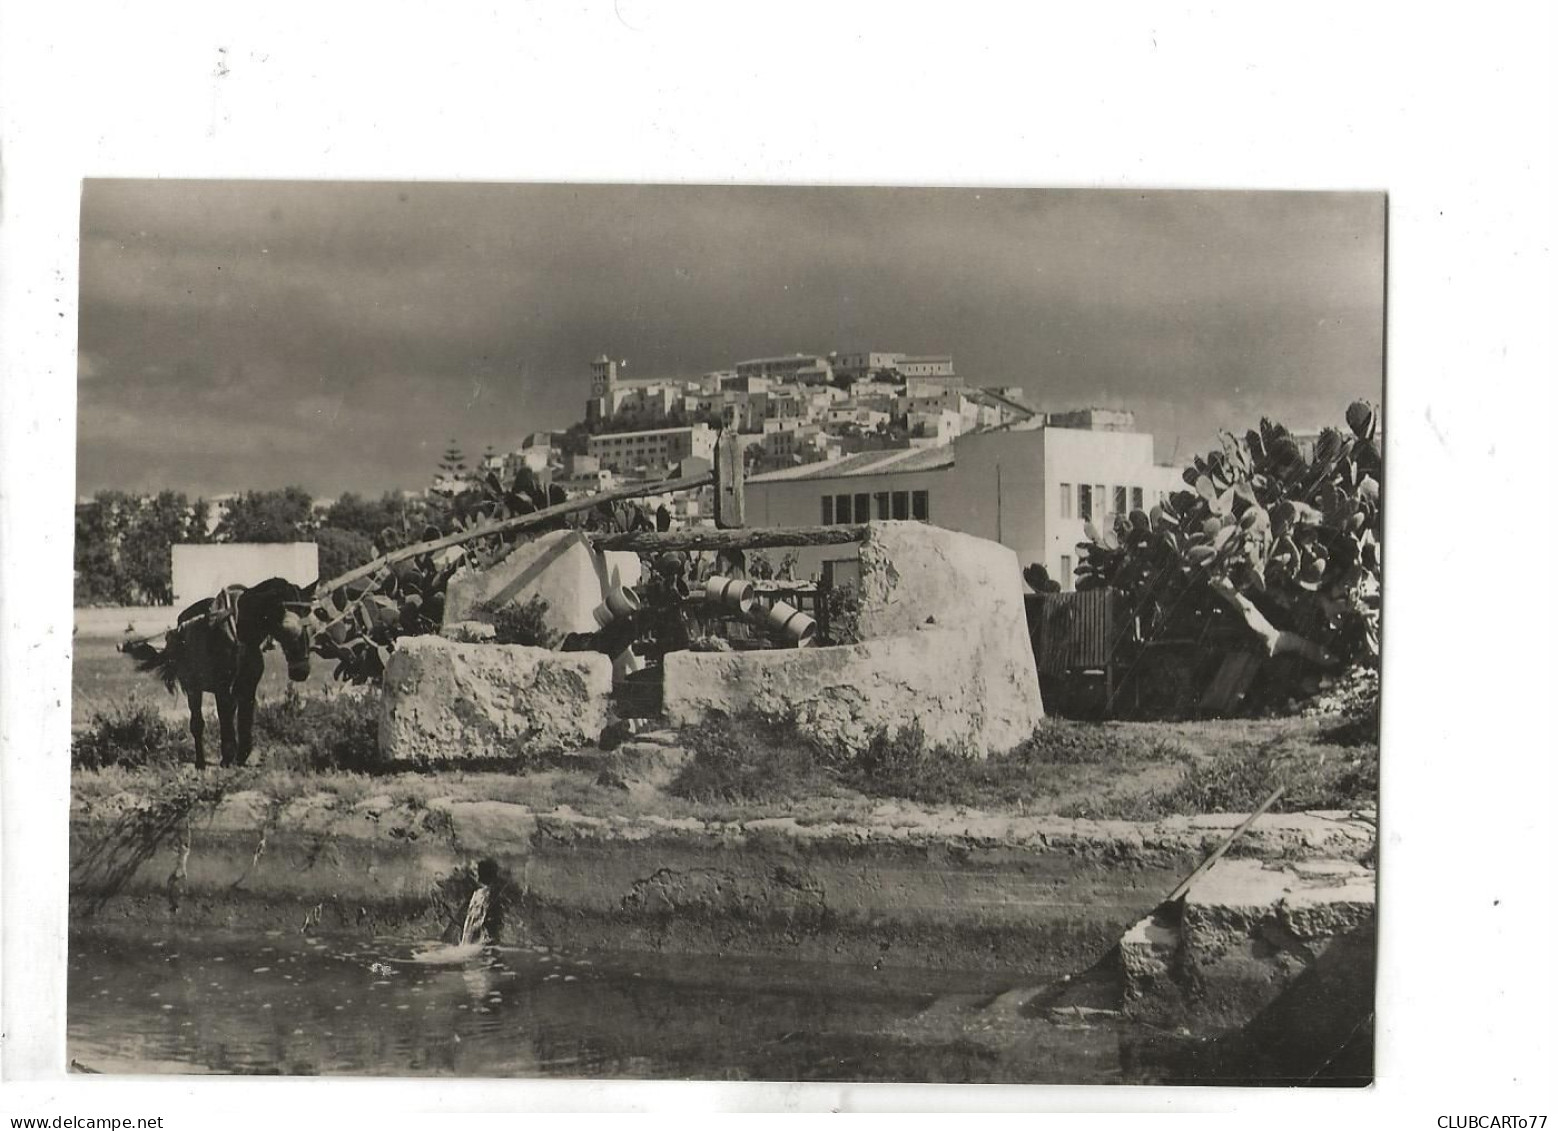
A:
[240,334]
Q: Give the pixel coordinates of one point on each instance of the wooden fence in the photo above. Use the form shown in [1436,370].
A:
[1075,631]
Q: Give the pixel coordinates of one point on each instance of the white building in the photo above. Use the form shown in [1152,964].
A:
[848,412]
[937,427]
[939,365]
[1029,489]
[1095,419]
[800,368]
[927,398]
[199,570]
[588,483]
[657,449]
[866,363]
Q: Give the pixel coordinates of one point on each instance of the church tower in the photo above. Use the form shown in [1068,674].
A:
[603,388]
[603,377]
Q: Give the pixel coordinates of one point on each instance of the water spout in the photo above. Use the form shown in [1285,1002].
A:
[474,931]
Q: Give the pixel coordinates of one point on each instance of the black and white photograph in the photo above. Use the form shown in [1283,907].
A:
[733,633]
[690,559]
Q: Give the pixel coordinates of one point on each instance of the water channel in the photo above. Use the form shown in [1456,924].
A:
[140,1000]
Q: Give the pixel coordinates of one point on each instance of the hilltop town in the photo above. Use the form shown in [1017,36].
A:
[854,437]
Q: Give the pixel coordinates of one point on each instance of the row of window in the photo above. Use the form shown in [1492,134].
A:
[646,445]
[838,509]
[1090,500]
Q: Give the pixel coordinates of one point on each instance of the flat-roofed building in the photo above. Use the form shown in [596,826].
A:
[1095,419]
[783,405]
[936,427]
[996,409]
[928,366]
[862,415]
[656,449]
[932,398]
[800,368]
[1031,490]
[863,364]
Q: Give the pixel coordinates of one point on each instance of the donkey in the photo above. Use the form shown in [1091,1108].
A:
[218,646]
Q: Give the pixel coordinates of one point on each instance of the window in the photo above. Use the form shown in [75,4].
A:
[1066,509]
[1136,499]
[1119,500]
[827,510]
[862,508]
[1084,502]
[900,504]
[1065,571]
[921,506]
[883,506]
[841,509]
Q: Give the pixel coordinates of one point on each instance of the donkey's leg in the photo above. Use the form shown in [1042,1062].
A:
[197,725]
[224,715]
[251,667]
[245,728]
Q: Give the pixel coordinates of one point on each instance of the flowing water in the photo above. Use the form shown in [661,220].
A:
[144,1001]
[475,916]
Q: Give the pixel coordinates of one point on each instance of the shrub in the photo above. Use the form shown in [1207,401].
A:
[132,735]
[751,757]
[341,551]
[1314,773]
[1315,776]
[330,732]
[748,757]
[841,609]
[1058,742]
[524,624]
[906,765]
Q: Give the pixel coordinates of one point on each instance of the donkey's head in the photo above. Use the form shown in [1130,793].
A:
[281,611]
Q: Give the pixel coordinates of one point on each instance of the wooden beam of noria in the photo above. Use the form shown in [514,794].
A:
[519,522]
[748,538]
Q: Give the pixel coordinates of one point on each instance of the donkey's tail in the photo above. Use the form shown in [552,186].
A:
[162,662]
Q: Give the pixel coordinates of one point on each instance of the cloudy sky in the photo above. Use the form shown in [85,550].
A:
[239,335]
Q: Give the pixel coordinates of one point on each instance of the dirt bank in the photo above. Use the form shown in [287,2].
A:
[904,887]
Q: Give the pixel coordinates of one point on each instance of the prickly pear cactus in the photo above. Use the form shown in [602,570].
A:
[1290,542]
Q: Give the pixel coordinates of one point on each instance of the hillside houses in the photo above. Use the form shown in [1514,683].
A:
[796,408]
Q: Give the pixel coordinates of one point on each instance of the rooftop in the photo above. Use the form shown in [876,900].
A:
[787,358]
[894,461]
[650,432]
[989,396]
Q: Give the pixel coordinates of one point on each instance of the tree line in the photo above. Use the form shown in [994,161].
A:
[124,542]
[123,552]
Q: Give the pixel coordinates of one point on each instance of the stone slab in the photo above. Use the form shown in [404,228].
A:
[559,567]
[842,696]
[943,640]
[1246,931]
[445,700]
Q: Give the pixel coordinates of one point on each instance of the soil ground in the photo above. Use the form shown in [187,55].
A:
[1139,771]
[102,676]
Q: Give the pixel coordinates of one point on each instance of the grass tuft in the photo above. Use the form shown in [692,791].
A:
[905,765]
[132,735]
[1314,771]
[753,758]
[338,731]
[749,758]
